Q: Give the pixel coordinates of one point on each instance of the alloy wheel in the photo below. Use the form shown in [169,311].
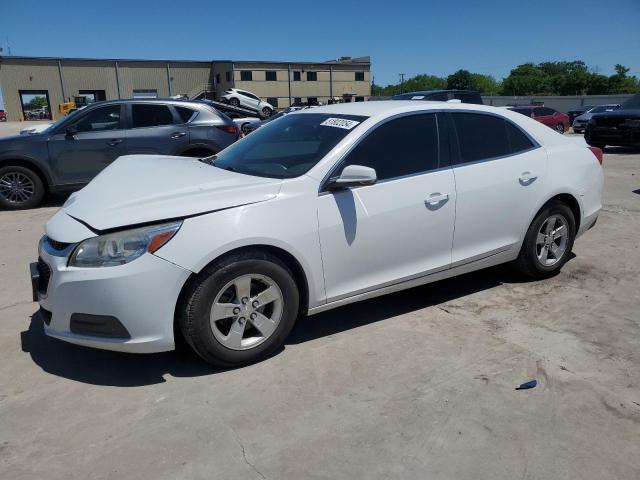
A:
[246,311]
[16,187]
[552,239]
[560,128]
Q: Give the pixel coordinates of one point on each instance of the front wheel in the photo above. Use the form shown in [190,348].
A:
[560,128]
[266,111]
[20,188]
[234,102]
[548,242]
[239,310]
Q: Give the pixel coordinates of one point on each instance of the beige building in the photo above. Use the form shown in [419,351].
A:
[34,87]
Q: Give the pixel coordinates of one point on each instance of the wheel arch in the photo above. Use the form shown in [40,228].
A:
[31,165]
[568,199]
[299,274]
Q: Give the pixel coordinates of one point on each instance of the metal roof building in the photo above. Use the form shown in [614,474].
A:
[34,87]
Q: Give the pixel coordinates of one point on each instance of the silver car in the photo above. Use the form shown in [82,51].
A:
[581,121]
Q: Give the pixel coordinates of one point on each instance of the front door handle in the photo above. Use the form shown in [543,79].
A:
[178,134]
[436,200]
[527,178]
[114,142]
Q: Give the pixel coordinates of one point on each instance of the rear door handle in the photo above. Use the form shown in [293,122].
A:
[436,199]
[527,178]
[178,134]
[114,142]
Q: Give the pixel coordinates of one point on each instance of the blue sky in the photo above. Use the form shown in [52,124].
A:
[412,37]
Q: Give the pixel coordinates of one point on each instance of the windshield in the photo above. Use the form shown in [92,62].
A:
[289,147]
[602,108]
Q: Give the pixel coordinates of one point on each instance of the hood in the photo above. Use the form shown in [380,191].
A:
[139,189]
[584,117]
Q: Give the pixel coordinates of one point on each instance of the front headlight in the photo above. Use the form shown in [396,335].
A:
[122,247]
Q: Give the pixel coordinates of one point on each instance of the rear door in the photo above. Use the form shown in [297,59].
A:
[155,128]
[99,140]
[499,174]
[544,115]
[397,229]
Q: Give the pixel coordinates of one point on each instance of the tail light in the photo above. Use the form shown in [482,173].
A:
[228,128]
[598,153]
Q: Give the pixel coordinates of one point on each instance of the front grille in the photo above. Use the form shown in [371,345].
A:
[58,246]
[45,275]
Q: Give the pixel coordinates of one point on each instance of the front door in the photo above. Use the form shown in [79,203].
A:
[98,138]
[397,229]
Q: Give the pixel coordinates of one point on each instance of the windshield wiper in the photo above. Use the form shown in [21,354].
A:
[208,160]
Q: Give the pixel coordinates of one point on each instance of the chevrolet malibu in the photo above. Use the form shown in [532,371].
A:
[322,208]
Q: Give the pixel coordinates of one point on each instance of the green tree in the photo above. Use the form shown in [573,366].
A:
[526,79]
[37,102]
[621,82]
[485,84]
[460,80]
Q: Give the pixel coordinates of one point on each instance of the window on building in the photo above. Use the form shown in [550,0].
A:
[297,76]
[185,113]
[359,99]
[480,137]
[359,76]
[246,75]
[404,146]
[273,101]
[217,78]
[270,76]
[100,120]
[150,115]
[93,95]
[297,101]
[145,93]
[312,76]
[227,76]
[312,100]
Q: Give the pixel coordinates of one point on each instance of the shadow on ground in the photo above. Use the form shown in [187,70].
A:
[99,367]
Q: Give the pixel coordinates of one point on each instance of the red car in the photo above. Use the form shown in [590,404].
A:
[3,116]
[550,117]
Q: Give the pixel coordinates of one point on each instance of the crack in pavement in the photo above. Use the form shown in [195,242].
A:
[244,453]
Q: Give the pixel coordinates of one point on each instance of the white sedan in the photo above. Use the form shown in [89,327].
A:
[324,207]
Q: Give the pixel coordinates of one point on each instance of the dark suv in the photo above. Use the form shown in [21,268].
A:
[465,96]
[72,151]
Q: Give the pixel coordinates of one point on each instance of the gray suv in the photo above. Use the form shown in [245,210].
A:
[69,153]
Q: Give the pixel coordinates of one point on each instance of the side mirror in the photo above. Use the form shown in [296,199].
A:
[71,131]
[353,176]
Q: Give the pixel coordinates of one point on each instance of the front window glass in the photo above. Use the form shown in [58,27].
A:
[100,119]
[289,147]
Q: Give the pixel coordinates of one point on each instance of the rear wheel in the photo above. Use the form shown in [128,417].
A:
[266,111]
[560,128]
[239,310]
[20,188]
[234,102]
[548,242]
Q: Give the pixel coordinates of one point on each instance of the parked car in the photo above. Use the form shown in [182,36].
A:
[580,122]
[465,96]
[306,214]
[245,123]
[68,154]
[548,116]
[242,98]
[3,116]
[576,111]
[617,128]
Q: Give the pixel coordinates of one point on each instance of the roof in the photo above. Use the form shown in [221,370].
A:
[355,61]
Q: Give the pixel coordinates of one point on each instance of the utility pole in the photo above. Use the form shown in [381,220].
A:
[402,82]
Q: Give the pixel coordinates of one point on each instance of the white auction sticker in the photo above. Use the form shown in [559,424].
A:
[340,123]
[417,97]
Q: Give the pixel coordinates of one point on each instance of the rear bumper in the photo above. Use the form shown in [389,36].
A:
[613,136]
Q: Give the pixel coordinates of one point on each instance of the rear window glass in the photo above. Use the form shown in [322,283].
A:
[480,136]
[518,141]
[523,111]
[288,147]
[185,113]
[150,115]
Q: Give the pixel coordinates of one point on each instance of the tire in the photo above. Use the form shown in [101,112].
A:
[560,128]
[529,261]
[234,102]
[218,342]
[267,112]
[20,188]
